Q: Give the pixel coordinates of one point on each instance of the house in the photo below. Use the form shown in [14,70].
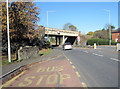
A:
[116,35]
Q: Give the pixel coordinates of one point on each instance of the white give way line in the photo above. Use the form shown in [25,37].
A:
[97,54]
[110,58]
[102,56]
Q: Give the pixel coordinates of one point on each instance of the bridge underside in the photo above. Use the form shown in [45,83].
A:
[58,38]
[71,40]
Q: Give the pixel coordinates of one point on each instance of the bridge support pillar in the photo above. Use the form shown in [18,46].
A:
[59,40]
[63,39]
[56,40]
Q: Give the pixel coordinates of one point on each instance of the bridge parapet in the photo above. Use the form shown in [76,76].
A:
[53,31]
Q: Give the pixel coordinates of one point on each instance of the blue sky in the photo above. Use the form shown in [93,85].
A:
[86,16]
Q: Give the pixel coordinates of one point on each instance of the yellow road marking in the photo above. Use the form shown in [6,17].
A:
[84,85]
[63,77]
[66,57]
[50,81]
[28,81]
[40,80]
[10,81]
[77,74]
[70,62]
[73,67]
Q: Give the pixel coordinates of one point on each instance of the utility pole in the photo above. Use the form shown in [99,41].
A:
[9,52]
[109,27]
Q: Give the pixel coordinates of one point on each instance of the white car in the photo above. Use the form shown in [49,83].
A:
[67,45]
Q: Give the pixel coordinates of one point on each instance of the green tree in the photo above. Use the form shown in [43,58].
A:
[23,17]
[70,27]
[101,34]
[66,26]
[107,27]
[90,33]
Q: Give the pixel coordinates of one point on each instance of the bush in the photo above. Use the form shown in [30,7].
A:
[113,43]
[99,42]
[92,41]
[46,44]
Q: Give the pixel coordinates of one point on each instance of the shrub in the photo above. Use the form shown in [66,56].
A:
[92,41]
[46,44]
[99,42]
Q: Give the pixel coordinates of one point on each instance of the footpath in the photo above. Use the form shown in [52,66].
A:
[53,73]
[11,67]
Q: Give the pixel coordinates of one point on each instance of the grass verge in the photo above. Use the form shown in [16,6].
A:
[5,61]
[14,60]
[45,52]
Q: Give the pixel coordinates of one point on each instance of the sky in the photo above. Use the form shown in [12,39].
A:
[86,16]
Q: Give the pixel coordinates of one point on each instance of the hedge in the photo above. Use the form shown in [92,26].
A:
[99,42]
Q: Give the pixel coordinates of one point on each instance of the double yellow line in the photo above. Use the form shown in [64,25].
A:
[77,73]
[10,81]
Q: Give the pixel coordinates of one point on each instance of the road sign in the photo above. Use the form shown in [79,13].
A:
[78,38]
[58,32]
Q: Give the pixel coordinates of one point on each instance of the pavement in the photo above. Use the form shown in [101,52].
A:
[8,68]
[58,72]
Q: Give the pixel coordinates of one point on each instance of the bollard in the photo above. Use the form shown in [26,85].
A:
[94,45]
[118,47]
[19,59]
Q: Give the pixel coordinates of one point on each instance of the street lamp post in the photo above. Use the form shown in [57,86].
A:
[9,52]
[47,20]
[109,26]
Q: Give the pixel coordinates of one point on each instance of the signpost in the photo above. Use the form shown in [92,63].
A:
[58,32]
[78,38]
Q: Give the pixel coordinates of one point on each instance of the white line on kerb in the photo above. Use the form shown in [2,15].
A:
[114,59]
[97,54]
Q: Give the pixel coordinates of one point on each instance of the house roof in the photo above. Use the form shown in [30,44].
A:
[116,31]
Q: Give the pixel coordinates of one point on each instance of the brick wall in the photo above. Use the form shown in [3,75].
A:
[119,38]
[114,36]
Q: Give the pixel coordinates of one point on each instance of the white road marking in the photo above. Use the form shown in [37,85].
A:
[85,51]
[114,59]
[97,54]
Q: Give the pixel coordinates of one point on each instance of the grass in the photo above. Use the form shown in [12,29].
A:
[6,62]
[5,59]
[14,60]
[46,52]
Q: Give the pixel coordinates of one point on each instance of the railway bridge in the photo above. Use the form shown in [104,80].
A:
[67,36]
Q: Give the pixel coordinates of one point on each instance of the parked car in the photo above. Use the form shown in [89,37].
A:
[67,45]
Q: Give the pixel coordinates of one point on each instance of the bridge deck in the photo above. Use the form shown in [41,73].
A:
[53,31]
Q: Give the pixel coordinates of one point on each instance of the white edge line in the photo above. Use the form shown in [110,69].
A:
[114,59]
